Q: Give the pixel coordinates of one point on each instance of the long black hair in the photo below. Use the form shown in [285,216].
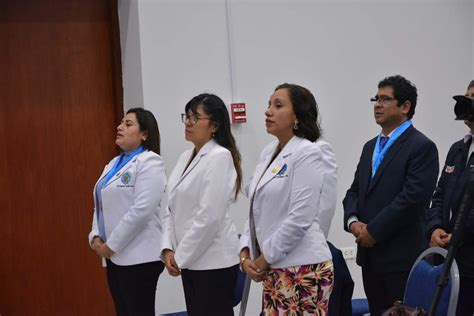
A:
[147,123]
[215,108]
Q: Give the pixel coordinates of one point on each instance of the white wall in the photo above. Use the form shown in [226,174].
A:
[131,55]
[338,49]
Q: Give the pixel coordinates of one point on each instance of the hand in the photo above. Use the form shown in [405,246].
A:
[440,238]
[170,263]
[253,271]
[364,238]
[355,228]
[96,243]
[104,251]
[262,264]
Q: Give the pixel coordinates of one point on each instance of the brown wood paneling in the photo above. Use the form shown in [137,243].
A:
[60,98]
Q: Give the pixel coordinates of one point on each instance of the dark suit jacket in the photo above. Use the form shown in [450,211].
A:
[393,202]
[340,301]
[447,198]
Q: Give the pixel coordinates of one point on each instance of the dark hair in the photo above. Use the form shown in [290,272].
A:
[147,123]
[471,84]
[215,108]
[403,90]
[306,111]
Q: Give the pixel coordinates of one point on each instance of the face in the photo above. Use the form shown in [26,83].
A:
[387,113]
[470,93]
[129,137]
[280,117]
[200,132]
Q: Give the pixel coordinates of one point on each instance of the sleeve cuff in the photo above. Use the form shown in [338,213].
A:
[92,235]
[351,220]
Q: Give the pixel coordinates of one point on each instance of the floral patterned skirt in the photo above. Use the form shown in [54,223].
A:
[298,291]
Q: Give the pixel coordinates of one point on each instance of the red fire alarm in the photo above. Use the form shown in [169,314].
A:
[238,112]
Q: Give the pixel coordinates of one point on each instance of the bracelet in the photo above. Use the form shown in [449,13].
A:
[242,260]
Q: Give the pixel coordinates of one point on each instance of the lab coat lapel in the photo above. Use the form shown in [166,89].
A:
[105,172]
[259,170]
[278,163]
[204,150]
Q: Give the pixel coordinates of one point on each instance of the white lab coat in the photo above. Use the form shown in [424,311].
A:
[288,199]
[196,224]
[131,205]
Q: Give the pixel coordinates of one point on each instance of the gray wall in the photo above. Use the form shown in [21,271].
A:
[175,49]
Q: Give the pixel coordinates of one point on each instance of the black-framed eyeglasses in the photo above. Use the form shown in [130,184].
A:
[382,98]
[193,119]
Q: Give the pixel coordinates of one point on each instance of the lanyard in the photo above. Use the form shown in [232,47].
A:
[121,161]
[380,154]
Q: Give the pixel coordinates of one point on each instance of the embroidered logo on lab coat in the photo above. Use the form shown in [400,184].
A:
[449,169]
[282,172]
[126,177]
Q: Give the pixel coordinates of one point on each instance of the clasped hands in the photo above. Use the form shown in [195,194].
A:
[362,235]
[101,248]
[256,269]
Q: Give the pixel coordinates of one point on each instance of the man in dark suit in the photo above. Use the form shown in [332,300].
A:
[445,206]
[393,184]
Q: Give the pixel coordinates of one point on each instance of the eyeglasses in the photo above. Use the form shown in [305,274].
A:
[382,99]
[193,119]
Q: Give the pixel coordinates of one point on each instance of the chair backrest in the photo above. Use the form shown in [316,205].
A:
[239,287]
[421,285]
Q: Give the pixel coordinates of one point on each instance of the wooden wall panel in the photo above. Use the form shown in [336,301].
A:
[60,99]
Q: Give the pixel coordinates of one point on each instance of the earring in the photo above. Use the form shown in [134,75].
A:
[213,134]
[295,126]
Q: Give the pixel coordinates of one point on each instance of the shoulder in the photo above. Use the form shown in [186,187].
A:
[219,152]
[325,147]
[370,143]
[419,137]
[218,157]
[149,158]
[148,155]
[420,143]
[454,151]
[305,148]
[456,145]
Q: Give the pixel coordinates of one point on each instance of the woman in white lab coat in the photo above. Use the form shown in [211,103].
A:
[283,244]
[200,241]
[126,231]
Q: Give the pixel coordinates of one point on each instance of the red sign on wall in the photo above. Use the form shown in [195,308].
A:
[238,112]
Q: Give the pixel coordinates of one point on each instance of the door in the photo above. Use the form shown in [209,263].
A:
[60,100]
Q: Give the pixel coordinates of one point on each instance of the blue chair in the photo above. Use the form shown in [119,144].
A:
[238,291]
[421,284]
